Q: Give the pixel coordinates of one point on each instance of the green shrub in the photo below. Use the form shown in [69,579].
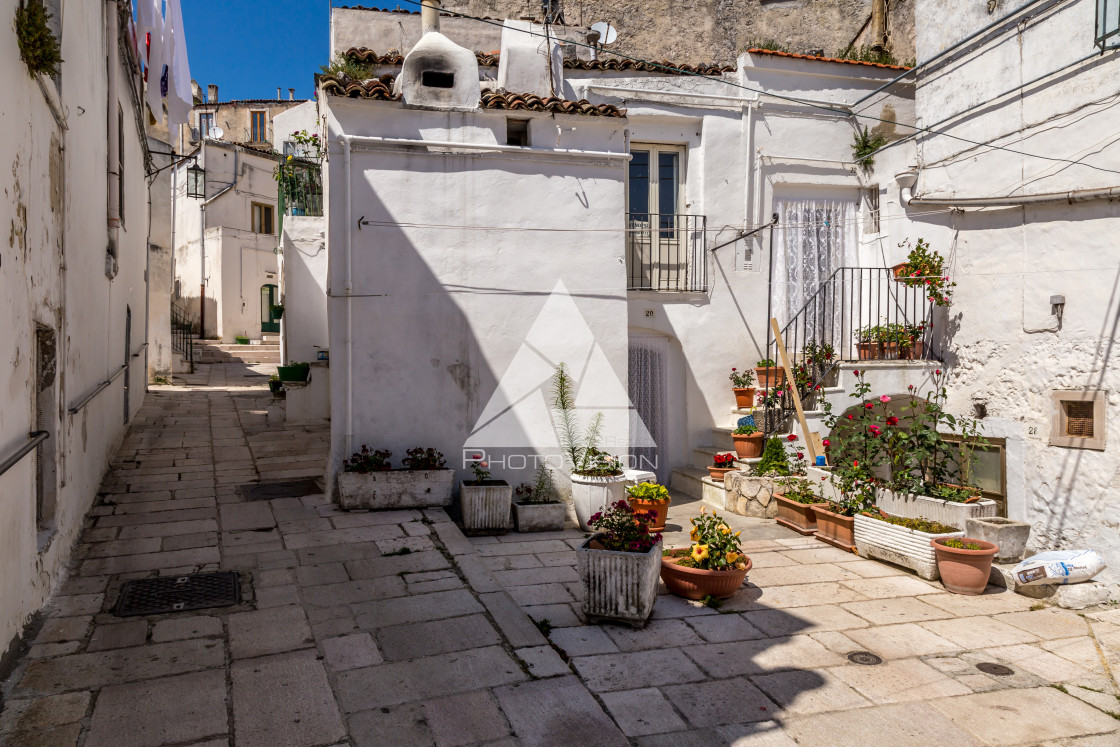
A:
[774,458]
[38,46]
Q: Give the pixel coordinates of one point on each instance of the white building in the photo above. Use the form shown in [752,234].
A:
[73,284]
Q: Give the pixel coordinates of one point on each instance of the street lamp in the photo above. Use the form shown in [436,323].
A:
[196,181]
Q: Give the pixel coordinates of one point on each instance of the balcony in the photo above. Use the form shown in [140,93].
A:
[666,252]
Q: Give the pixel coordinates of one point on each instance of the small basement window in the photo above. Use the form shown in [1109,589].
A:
[517,132]
[1077,419]
[1108,24]
[437,79]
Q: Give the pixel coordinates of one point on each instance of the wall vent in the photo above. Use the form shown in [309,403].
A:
[1077,419]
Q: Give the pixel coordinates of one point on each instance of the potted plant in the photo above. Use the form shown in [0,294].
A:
[924,268]
[534,507]
[742,383]
[618,567]
[275,385]
[651,499]
[965,564]
[277,310]
[795,505]
[722,464]
[484,503]
[241,340]
[855,490]
[900,540]
[368,481]
[713,567]
[769,373]
[597,479]
[776,404]
[868,343]
[748,441]
[294,372]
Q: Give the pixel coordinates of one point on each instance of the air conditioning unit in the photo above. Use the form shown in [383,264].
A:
[194,136]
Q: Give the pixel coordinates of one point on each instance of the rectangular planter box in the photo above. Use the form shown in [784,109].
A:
[908,548]
[486,507]
[540,517]
[620,586]
[834,529]
[935,509]
[398,488]
[1010,535]
[796,516]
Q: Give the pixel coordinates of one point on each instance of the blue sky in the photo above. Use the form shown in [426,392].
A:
[249,47]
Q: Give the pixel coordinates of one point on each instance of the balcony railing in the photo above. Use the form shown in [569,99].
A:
[182,334]
[666,252]
[300,188]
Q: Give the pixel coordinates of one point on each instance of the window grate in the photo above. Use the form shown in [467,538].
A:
[1079,419]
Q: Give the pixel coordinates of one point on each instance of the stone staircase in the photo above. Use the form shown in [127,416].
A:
[265,350]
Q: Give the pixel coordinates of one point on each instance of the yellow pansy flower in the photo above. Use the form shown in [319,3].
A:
[699,553]
[694,534]
[725,529]
[732,557]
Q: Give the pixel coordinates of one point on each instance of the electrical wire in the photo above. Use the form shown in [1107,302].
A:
[839,108]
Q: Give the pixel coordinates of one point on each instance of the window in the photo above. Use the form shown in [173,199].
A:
[205,123]
[871,210]
[517,132]
[46,411]
[1108,24]
[291,148]
[988,471]
[1077,420]
[259,125]
[262,218]
[120,163]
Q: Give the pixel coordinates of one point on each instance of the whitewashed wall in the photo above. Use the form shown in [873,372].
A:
[304,273]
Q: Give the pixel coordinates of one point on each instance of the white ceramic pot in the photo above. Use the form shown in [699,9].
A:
[591,495]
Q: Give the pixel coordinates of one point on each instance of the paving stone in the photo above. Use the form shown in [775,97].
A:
[762,655]
[796,595]
[377,566]
[642,712]
[118,635]
[557,615]
[276,577]
[1048,666]
[76,604]
[514,624]
[164,518]
[622,671]
[550,559]
[277,596]
[978,632]
[59,736]
[836,642]
[666,633]
[350,592]
[1005,716]
[174,629]
[892,586]
[786,622]
[1081,651]
[403,725]
[284,699]
[543,661]
[521,547]
[242,516]
[901,641]
[84,585]
[541,710]
[901,725]
[44,713]
[1048,624]
[342,536]
[899,680]
[893,611]
[511,562]
[151,562]
[668,606]
[122,547]
[467,718]
[268,631]
[58,629]
[351,652]
[724,702]
[436,606]
[563,574]
[315,575]
[415,640]
[820,555]
[993,601]
[170,710]
[799,574]
[187,541]
[430,677]
[583,641]
[757,734]
[541,594]
[724,628]
[802,691]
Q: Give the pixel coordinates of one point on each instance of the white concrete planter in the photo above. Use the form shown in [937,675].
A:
[908,548]
[593,494]
[540,517]
[619,586]
[485,507]
[398,488]
[935,509]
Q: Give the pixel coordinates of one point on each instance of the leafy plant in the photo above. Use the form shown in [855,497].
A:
[582,450]
[423,459]
[765,363]
[952,493]
[367,461]
[724,461]
[715,546]
[921,525]
[544,625]
[924,267]
[478,466]
[623,529]
[957,544]
[398,551]
[746,429]
[770,45]
[540,491]
[864,146]
[799,490]
[348,68]
[774,458]
[741,379]
[38,46]
[649,491]
[867,53]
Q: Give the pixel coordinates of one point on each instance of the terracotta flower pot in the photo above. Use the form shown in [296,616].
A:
[744,396]
[748,446]
[964,571]
[835,529]
[717,473]
[800,517]
[776,374]
[912,351]
[660,509]
[870,351]
[898,269]
[695,583]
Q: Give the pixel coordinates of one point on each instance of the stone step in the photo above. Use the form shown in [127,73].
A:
[689,481]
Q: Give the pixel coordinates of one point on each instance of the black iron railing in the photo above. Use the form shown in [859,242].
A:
[182,334]
[666,252]
[858,313]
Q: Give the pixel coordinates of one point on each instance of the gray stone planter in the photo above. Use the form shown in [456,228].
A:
[485,507]
[593,494]
[619,586]
[540,517]
[908,548]
[398,488]
[1010,535]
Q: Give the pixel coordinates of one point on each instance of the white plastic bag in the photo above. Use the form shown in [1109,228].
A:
[1058,567]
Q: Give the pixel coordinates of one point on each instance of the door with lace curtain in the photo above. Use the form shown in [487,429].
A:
[816,237]
[647,373]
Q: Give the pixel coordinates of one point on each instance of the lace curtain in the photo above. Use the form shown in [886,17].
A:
[647,371]
[815,238]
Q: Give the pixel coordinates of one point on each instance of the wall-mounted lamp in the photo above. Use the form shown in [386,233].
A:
[196,181]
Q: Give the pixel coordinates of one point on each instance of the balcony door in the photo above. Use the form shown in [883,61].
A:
[658,239]
[816,237]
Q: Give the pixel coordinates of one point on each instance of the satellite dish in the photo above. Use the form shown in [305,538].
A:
[215,133]
[607,32]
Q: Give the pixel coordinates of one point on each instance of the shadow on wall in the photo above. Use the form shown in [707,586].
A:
[191,306]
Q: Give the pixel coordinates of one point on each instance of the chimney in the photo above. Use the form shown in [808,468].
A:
[277,93]
[291,94]
[429,16]
[212,94]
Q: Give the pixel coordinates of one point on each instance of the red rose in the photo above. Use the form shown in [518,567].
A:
[868,405]
[892,420]
[792,437]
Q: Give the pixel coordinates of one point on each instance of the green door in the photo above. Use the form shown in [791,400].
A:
[269,323]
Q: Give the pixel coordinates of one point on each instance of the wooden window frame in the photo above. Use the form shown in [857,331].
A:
[271,217]
[1058,419]
[253,130]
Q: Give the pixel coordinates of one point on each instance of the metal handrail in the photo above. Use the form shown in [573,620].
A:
[34,439]
[75,409]
[140,350]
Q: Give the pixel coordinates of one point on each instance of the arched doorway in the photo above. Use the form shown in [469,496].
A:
[269,298]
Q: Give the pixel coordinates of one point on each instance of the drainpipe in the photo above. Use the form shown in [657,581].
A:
[907,179]
[349,287]
[113,177]
[878,25]
[429,16]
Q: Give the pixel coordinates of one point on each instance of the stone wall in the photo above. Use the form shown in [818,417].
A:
[747,495]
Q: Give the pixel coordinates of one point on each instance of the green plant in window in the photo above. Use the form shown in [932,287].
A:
[864,146]
[38,46]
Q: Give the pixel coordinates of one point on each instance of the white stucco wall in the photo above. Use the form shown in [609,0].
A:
[53,273]
[298,118]
[304,272]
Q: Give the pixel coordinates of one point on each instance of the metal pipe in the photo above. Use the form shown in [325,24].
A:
[75,409]
[429,16]
[349,286]
[769,303]
[33,440]
[1070,197]
[388,142]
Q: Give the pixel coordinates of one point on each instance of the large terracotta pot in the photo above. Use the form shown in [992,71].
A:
[748,446]
[899,269]
[744,396]
[964,571]
[717,473]
[776,374]
[870,351]
[695,583]
[835,529]
[659,509]
[800,517]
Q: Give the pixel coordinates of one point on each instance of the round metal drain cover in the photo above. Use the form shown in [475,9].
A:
[990,667]
[865,658]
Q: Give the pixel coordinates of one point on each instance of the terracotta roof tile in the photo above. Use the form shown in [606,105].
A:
[375,89]
[664,67]
[534,103]
[756,50]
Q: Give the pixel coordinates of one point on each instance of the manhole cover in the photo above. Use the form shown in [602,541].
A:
[155,596]
[266,491]
[990,667]
[865,658]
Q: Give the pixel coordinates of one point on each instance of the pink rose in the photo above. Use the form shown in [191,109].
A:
[884,399]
